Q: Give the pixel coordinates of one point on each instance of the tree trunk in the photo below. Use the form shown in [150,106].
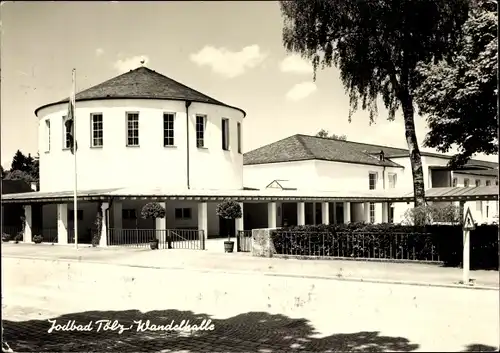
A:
[414,152]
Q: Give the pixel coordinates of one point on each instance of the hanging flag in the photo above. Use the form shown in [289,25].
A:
[70,124]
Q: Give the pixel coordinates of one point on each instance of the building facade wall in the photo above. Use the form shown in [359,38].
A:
[115,165]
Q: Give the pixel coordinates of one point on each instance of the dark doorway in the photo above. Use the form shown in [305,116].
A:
[227,226]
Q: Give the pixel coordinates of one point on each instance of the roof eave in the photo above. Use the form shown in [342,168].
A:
[65,101]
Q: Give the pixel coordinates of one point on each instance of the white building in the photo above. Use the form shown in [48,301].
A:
[142,136]
[325,164]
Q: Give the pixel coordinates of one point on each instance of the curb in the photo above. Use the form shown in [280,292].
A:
[269,274]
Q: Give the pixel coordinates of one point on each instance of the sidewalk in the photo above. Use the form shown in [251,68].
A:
[412,273]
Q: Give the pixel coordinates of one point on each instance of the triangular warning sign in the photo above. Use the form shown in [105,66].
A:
[469,223]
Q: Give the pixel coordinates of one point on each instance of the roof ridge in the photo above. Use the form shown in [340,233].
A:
[306,148]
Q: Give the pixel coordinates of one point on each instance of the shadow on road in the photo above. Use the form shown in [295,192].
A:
[480,348]
[250,332]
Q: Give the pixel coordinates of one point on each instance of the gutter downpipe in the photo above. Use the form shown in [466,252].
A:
[188,104]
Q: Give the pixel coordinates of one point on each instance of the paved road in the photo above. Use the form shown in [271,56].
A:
[250,313]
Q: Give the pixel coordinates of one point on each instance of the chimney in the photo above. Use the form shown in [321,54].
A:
[382,156]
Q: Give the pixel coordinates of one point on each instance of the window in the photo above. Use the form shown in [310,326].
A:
[372,212]
[71,215]
[372,180]
[168,129]
[96,130]
[66,134]
[200,130]
[129,214]
[478,182]
[182,213]
[239,137]
[496,182]
[488,182]
[466,182]
[454,182]
[47,135]
[487,210]
[225,134]
[392,180]
[132,129]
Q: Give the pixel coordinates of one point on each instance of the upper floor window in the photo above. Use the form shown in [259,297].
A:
[201,122]
[225,134]
[488,182]
[478,182]
[66,134]
[496,182]
[466,182]
[392,180]
[47,135]
[454,182]
[132,129]
[97,131]
[168,129]
[372,181]
[239,137]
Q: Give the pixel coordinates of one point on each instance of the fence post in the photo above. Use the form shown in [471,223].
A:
[238,245]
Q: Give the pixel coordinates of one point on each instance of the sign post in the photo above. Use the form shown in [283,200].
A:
[467,227]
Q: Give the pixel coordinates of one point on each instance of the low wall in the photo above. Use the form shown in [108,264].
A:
[262,246]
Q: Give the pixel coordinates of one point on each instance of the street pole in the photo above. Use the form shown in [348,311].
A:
[466,257]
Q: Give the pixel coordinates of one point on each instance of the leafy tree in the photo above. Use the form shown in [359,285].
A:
[19,175]
[26,164]
[377,45]
[3,172]
[460,97]
[323,133]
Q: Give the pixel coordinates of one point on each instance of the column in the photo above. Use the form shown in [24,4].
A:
[161,225]
[385,212]
[379,209]
[239,221]
[301,213]
[366,211]
[324,213]
[27,224]
[117,215]
[334,205]
[62,223]
[203,222]
[271,215]
[103,241]
[347,212]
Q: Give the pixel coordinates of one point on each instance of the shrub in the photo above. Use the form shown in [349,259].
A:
[37,239]
[429,214]
[6,237]
[152,210]
[390,241]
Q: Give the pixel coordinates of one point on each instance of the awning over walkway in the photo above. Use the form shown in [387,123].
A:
[161,194]
[478,193]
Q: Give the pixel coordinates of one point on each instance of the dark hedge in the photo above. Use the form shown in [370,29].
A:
[391,241]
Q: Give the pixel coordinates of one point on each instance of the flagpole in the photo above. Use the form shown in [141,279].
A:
[75,201]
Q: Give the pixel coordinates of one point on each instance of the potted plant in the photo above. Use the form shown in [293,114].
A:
[18,237]
[37,239]
[153,210]
[229,209]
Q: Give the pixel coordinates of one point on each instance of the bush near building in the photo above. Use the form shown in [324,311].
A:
[391,241]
